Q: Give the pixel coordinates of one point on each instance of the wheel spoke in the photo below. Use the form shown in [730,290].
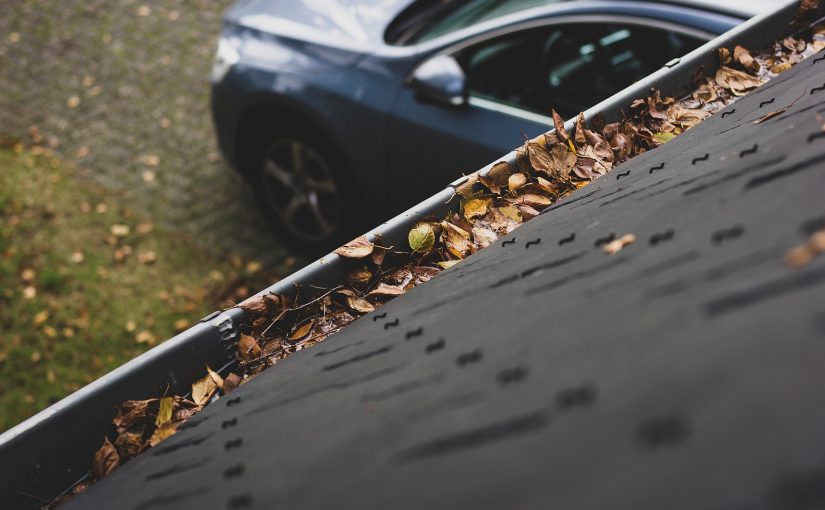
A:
[326,186]
[297,158]
[292,207]
[279,174]
[315,207]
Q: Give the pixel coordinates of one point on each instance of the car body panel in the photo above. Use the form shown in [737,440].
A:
[357,90]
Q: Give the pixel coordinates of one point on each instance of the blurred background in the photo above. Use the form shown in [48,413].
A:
[119,222]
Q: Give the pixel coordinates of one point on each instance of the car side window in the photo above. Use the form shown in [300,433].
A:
[568,68]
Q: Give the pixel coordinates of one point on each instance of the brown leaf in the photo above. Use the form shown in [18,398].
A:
[723,54]
[378,254]
[467,188]
[203,389]
[129,444]
[736,81]
[516,181]
[532,200]
[360,305]
[805,10]
[303,331]
[743,56]
[358,248]
[231,382]
[248,348]
[359,278]
[105,460]
[456,240]
[558,123]
[562,160]
[497,177]
[382,289]
[580,135]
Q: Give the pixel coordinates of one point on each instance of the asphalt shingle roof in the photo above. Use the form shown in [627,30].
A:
[683,372]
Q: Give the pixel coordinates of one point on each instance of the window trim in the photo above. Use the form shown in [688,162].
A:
[491,105]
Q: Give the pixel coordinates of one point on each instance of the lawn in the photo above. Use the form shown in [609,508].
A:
[86,283]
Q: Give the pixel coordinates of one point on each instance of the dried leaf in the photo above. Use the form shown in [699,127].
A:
[303,331]
[231,382]
[558,124]
[447,264]
[474,208]
[497,177]
[163,432]
[723,54]
[516,181]
[736,81]
[358,248]
[216,378]
[616,245]
[744,58]
[203,389]
[105,460]
[360,305]
[248,348]
[456,240]
[421,237]
[382,289]
[532,200]
[165,411]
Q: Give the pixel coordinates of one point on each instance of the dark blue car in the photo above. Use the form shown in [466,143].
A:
[341,111]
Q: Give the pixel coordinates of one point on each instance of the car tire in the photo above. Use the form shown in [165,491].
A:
[304,187]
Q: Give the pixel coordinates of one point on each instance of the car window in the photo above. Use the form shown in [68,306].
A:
[472,12]
[567,68]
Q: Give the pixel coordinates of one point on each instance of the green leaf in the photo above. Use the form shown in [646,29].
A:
[421,238]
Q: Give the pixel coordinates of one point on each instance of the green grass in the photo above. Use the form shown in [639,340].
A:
[71,308]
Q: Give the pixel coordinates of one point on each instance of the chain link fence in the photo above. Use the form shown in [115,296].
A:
[121,88]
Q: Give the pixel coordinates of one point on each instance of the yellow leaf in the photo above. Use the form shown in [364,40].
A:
[475,207]
[165,411]
[162,432]
[216,378]
[203,389]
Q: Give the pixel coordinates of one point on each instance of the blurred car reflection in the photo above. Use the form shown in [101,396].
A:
[339,112]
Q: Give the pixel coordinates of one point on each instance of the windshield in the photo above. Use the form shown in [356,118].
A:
[442,17]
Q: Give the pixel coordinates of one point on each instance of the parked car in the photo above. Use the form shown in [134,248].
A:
[339,111]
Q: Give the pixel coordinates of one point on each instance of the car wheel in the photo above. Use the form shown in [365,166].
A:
[306,191]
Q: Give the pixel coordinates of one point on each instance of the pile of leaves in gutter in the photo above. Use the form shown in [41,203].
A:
[546,169]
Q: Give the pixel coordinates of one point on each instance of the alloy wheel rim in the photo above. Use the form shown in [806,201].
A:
[300,190]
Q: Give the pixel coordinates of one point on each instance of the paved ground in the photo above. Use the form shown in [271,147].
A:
[121,88]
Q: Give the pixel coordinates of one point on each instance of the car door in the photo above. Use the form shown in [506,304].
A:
[513,82]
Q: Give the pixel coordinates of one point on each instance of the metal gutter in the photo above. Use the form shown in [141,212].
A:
[50,451]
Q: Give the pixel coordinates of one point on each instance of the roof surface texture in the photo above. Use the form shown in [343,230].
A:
[683,372]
